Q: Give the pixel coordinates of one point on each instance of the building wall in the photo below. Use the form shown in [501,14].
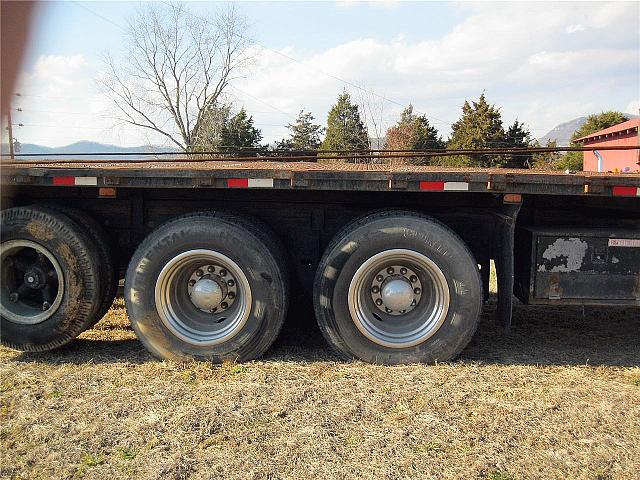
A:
[613,159]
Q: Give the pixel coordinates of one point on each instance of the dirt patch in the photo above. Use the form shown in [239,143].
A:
[558,397]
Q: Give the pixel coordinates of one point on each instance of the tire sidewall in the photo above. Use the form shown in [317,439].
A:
[254,259]
[419,234]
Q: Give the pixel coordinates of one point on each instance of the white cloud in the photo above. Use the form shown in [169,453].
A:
[633,107]
[574,28]
[529,58]
[60,104]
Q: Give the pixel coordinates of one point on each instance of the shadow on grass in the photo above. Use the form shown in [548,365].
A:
[559,335]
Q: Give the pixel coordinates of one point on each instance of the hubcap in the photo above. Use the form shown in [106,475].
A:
[397,295]
[206,294]
[203,297]
[398,298]
[32,284]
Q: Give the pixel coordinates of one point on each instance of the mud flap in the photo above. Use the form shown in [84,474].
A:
[504,260]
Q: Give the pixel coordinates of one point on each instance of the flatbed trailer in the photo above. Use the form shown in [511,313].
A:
[396,258]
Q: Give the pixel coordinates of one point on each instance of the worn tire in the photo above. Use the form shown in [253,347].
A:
[100,238]
[78,259]
[254,249]
[366,238]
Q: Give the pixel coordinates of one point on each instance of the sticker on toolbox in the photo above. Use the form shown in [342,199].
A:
[624,242]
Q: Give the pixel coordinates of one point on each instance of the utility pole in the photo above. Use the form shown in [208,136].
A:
[10,135]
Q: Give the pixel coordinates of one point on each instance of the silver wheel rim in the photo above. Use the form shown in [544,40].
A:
[32,282]
[203,297]
[406,313]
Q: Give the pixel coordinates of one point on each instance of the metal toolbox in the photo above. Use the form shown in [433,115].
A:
[573,266]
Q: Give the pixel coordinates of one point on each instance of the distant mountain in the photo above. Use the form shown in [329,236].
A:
[88,147]
[562,133]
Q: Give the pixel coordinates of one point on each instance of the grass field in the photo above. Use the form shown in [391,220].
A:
[558,397]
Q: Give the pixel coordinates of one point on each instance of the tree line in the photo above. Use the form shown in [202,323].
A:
[480,126]
[176,68]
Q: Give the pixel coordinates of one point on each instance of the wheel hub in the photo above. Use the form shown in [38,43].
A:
[397,294]
[212,288]
[35,278]
[396,290]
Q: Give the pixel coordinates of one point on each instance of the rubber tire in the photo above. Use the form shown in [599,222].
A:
[78,259]
[100,239]
[377,232]
[250,244]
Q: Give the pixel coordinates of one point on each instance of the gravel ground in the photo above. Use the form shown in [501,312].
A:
[558,397]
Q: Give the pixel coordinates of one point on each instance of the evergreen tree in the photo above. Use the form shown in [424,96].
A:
[413,132]
[517,136]
[595,122]
[480,126]
[345,128]
[239,132]
[305,135]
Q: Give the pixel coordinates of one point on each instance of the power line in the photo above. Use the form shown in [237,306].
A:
[93,12]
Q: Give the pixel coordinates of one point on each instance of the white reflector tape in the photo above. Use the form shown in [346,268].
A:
[456,186]
[260,183]
[86,180]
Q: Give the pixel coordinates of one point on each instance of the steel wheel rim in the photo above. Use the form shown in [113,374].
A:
[414,325]
[184,318]
[29,309]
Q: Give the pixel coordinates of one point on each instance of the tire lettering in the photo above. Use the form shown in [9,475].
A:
[426,239]
[461,288]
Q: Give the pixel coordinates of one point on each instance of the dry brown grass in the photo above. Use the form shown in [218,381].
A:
[558,397]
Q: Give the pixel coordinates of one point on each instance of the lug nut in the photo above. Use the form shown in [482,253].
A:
[223,273]
[14,297]
[199,273]
[375,289]
[388,310]
[417,291]
[192,283]
[231,295]
[390,270]
[379,278]
[379,302]
[403,271]
[231,283]
[210,269]
[224,305]
[45,306]
[413,279]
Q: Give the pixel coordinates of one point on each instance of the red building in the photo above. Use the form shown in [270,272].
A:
[625,133]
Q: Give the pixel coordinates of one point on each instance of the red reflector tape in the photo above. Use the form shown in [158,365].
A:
[623,191]
[431,185]
[237,182]
[64,180]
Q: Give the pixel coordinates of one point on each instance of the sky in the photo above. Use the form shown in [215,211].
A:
[541,63]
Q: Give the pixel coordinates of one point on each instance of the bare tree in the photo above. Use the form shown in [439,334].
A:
[372,108]
[176,69]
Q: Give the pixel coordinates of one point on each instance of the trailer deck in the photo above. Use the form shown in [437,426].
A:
[316,176]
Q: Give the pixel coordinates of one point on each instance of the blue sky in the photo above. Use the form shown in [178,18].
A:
[543,63]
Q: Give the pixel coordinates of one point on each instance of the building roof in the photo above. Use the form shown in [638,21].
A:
[621,127]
